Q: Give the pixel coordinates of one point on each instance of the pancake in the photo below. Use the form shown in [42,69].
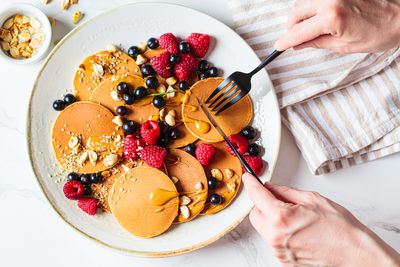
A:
[100,191]
[140,111]
[84,131]
[86,79]
[144,201]
[189,172]
[231,121]
[228,187]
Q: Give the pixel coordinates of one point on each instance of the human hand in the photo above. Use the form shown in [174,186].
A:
[306,229]
[345,26]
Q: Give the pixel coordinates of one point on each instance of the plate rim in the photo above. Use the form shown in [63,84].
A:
[29,145]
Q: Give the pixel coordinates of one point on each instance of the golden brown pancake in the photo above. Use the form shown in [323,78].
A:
[140,111]
[229,186]
[101,190]
[189,173]
[144,201]
[231,121]
[84,131]
[86,79]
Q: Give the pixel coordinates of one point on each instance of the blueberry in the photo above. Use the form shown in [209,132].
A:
[59,105]
[85,179]
[174,59]
[163,128]
[183,85]
[122,110]
[69,99]
[212,72]
[163,141]
[151,82]
[174,134]
[254,149]
[122,88]
[95,178]
[159,101]
[147,70]
[248,132]
[133,51]
[140,92]
[191,149]
[73,176]
[152,43]
[203,66]
[203,76]
[184,47]
[87,191]
[129,127]
[212,183]
[215,199]
[129,98]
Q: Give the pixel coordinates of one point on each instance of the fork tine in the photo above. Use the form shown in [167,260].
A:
[222,94]
[234,91]
[219,88]
[231,102]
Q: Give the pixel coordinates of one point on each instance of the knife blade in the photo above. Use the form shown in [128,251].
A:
[221,132]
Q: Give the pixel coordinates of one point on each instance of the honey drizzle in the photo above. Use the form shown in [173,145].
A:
[159,197]
[174,161]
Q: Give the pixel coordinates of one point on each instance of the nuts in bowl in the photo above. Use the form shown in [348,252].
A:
[25,34]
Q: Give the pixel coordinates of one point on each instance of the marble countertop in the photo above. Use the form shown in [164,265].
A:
[32,234]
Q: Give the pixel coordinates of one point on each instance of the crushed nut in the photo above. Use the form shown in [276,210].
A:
[98,69]
[5,45]
[73,142]
[111,48]
[184,211]
[92,157]
[35,23]
[140,60]
[170,120]
[199,186]
[65,4]
[110,160]
[161,89]
[77,17]
[106,174]
[174,179]
[14,52]
[83,158]
[162,113]
[117,120]
[142,46]
[229,173]
[184,200]
[171,80]
[231,185]
[217,174]
[115,96]
[172,112]
[126,168]
[7,25]
[74,2]
[172,94]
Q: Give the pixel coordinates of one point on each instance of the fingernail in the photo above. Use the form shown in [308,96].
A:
[245,177]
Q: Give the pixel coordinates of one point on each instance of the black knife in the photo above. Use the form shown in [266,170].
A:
[221,132]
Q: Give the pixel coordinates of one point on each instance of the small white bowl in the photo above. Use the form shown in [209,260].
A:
[30,11]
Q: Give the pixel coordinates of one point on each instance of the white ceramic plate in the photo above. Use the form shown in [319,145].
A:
[129,25]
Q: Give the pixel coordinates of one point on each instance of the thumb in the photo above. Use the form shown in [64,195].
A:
[325,41]
[259,195]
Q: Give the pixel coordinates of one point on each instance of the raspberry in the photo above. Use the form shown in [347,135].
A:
[205,153]
[186,66]
[255,163]
[73,189]
[150,132]
[162,65]
[199,44]
[153,155]
[169,43]
[132,147]
[88,205]
[239,142]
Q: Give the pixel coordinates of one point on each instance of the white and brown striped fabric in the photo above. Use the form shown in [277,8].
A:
[342,109]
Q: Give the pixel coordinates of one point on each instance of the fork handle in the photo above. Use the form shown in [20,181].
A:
[265,62]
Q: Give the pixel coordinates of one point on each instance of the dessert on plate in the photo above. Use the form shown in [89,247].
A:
[135,143]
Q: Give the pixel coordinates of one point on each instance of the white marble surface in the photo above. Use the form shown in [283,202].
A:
[32,234]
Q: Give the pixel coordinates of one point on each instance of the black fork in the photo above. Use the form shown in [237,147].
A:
[236,86]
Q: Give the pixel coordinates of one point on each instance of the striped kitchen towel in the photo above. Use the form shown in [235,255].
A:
[342,109]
